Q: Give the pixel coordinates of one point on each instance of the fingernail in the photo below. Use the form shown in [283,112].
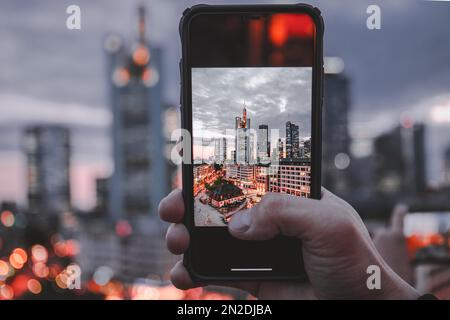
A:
[240,222]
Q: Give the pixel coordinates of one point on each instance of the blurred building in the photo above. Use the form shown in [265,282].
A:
[447,166]
[335,135]
[140,178]
[131,241]
[48,164]
[102,195]
[137,255]
[399,161]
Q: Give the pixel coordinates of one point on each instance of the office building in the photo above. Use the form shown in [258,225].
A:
[220,150]
[292,141]
[243,140]
[280,149]
[335,135]
[263,144]
[47,151]
[140,178]
[291,176]
[399,161]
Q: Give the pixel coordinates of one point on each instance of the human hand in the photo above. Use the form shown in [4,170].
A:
[337,248]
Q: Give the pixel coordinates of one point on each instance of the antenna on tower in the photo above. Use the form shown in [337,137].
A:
[142,22]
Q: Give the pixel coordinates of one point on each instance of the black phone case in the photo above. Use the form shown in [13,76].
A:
[186,112]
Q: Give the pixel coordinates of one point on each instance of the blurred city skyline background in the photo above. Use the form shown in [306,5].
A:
[54,75]
[86,119]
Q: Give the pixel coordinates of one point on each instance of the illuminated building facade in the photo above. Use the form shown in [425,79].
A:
[291,177]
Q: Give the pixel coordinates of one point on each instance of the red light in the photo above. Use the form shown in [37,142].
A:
[123,228]
[72,248]
[406,121]
[283,26]
[20,285]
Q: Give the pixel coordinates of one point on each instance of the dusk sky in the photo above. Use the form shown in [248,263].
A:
[54,75]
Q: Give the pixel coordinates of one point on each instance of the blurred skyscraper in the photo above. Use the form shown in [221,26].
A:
[447,166]
[134,248]
[399,160]
[335,136]
[48,169]
[140,178]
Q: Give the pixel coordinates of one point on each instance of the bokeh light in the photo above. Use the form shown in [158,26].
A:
[39,253]
[7,218]
[6,292]
[18,258]
[123,228]
[121,77]
[141,55]
[4,269]
[34,286]
[103,275]
[40,270]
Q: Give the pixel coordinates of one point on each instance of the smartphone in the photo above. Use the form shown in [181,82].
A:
[251,98]
[428,236]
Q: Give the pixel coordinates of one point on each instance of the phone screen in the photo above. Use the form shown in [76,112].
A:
[428,236]
[252,135]
[252,94]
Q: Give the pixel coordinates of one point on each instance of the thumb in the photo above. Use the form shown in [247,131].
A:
[276,214]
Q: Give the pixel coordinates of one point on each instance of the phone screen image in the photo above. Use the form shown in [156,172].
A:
[428,236]
[251,135]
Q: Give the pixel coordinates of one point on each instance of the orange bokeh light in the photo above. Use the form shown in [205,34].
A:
[4,269]
[18,258]
[141,55]
[6,292]
[61,280]
[121,77]
[40,270]
[22,254]
[60,248]
[34,286]
[72,248]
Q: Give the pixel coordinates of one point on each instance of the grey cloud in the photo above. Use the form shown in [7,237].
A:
[219,95]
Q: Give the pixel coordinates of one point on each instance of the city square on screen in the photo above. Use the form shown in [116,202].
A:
[251,135]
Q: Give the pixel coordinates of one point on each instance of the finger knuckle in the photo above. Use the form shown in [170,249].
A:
[271,205]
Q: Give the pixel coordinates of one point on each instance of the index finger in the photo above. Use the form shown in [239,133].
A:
[171,208]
